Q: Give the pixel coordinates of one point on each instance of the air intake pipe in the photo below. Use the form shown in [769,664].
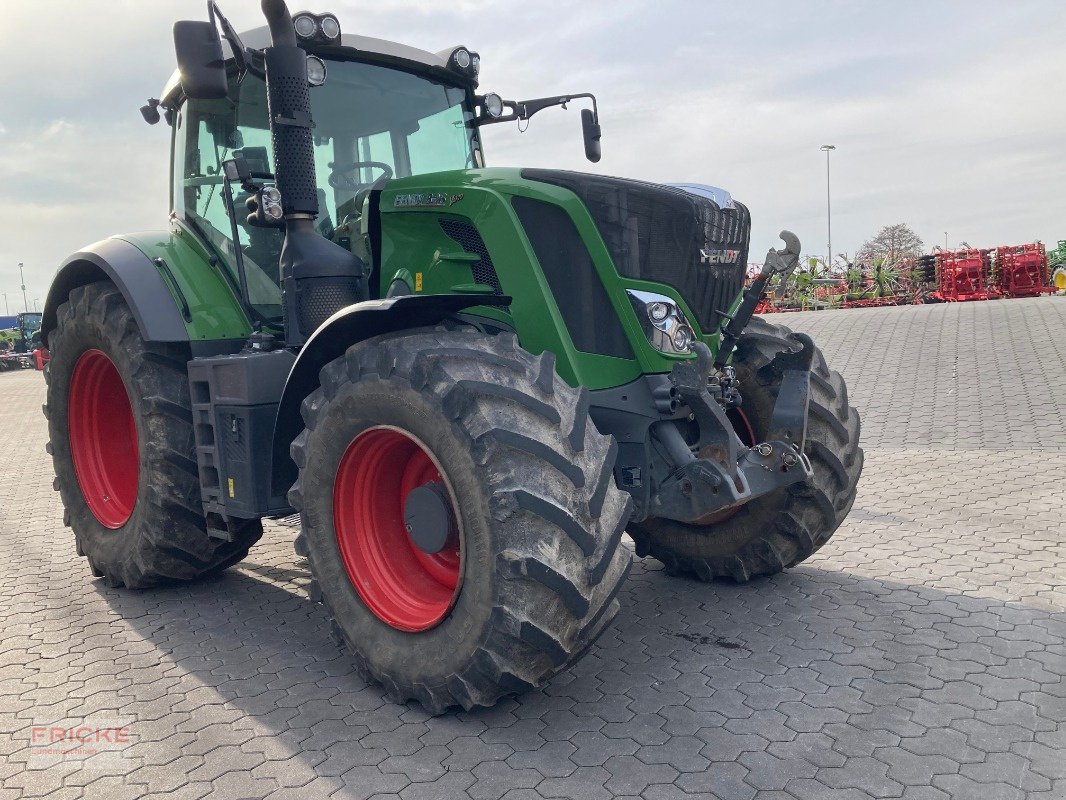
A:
[318,277]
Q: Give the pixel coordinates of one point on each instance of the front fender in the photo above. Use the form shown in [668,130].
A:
[133,273]
[351,325]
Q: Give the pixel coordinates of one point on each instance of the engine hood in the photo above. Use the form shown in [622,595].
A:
[691,237]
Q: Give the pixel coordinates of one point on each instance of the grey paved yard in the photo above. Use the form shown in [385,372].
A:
[919,655]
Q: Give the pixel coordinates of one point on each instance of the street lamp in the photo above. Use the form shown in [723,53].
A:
[945,240]
[828,208]
[7,311]
[25,302]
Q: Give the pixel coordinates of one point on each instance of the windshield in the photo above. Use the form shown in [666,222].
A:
[370,122]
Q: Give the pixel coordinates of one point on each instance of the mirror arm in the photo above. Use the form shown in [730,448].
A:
[524,109]
[240,52]
[527,108]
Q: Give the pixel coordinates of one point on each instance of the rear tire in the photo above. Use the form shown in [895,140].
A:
[785,527]
[121,439]
[537,517]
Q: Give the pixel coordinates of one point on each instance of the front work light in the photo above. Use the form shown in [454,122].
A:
[317,27]
[461,57]
[305,25]
[331,29]
[663,322]
[493,105]
[316,71]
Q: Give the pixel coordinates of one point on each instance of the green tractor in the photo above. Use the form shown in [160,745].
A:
[27,331]
[1057,266]
[469,382]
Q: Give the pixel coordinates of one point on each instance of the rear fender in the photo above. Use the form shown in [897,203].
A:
[349,326]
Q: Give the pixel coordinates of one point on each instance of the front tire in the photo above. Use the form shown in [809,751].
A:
[529,574]
[121,438]
[785,527]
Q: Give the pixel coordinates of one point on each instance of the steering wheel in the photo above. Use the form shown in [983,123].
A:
[343,175]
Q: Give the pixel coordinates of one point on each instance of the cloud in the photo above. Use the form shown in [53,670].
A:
[945,115]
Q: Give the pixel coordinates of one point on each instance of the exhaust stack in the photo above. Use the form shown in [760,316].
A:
[318,277]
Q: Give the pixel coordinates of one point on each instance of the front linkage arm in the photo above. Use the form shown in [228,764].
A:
[723,472]
[778,262]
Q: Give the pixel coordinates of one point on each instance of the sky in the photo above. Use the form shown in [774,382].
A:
[949,116]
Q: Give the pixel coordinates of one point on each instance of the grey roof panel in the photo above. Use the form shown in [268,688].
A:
[259,38]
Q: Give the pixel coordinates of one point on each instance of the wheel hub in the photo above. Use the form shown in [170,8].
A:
[427,515]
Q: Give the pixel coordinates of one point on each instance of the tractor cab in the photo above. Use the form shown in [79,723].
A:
[380,111]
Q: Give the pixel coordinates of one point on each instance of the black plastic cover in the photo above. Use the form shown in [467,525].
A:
[666,235]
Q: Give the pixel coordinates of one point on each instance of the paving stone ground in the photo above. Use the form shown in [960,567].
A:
[919,655]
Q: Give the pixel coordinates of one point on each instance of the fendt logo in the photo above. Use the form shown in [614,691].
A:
[719,256]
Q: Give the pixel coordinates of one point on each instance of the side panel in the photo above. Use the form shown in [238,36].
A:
[214,309]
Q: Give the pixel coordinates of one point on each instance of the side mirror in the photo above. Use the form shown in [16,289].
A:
[200,61]
[590,129]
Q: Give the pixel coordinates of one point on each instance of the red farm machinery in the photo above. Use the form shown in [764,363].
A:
[943,276]
[1022,270]
[964,275]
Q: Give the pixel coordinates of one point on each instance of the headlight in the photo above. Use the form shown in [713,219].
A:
[331,29]
[493,104]
[663,322]
[305,26]
[683,338]
[316,71]
[658,311]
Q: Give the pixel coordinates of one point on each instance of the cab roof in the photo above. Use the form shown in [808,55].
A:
[379,50]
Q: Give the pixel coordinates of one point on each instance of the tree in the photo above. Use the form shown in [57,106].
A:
[891,245]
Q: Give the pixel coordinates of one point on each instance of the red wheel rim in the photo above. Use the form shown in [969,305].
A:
[403,586]
[103,439]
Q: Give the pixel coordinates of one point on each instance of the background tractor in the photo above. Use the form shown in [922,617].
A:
[1057,266]
[469,382]
[20,346]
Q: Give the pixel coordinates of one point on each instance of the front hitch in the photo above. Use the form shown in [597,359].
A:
[723,473]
